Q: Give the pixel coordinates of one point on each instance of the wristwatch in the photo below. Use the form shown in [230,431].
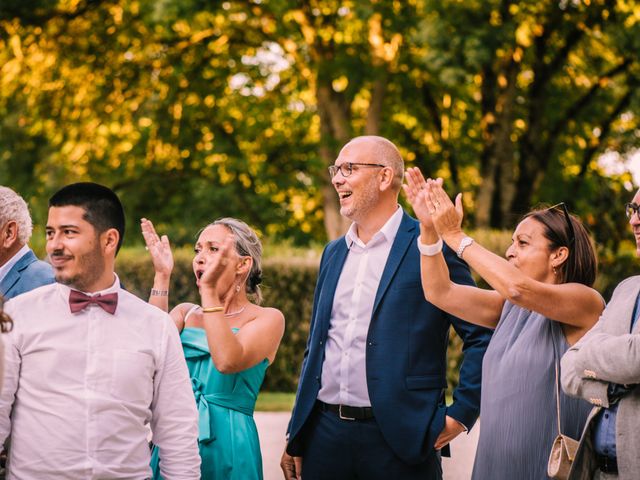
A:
[466,241]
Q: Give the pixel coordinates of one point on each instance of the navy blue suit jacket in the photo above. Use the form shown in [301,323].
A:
[406,351]
[27,274]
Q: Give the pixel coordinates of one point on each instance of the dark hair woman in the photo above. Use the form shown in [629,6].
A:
[542,301]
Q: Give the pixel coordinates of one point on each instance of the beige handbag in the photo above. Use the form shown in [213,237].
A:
[564,448]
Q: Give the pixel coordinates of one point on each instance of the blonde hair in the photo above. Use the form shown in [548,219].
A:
[247,244]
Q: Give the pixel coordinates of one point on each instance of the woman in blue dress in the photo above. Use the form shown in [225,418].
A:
[228,342]
[542,302]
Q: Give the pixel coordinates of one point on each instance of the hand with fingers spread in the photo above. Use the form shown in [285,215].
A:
[215,270]
[446,217]
[416,191]
[158,248]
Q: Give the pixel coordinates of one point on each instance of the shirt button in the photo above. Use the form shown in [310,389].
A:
[606,415]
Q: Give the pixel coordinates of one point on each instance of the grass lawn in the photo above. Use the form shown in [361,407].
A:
[275,401]
[283,401]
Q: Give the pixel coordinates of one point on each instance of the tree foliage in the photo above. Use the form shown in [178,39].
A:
[193,110]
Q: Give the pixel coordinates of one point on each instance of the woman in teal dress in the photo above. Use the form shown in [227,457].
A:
[228,343]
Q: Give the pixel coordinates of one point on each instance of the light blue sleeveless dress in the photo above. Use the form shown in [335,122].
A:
[228,438]
[518,420]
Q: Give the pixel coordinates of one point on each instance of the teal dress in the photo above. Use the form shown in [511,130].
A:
[228,438]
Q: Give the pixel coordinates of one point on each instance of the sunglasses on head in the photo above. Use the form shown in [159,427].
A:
[563,208]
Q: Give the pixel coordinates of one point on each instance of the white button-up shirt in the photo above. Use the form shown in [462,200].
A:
[81,390]
[344,370]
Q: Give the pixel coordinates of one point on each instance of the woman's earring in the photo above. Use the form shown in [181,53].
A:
[555,272]
[237,288]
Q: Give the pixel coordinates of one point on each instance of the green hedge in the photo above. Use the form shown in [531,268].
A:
[289,283]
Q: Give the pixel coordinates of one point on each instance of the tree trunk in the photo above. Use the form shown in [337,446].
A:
[334,133]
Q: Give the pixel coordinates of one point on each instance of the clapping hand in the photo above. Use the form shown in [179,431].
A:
[158,248]
[416,191]
[445,216]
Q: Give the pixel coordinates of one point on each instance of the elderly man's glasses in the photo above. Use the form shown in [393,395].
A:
[563,207]
[346,168]
[630,209]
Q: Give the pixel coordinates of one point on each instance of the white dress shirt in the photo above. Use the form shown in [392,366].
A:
[344,370]
[81,390]
[4,269]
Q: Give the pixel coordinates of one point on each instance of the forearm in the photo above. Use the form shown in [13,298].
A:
[503,277]
[434,272]
[159,295]
[226,351]
[574,382]
[611,358]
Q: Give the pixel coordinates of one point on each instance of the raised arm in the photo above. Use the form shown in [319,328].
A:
[162,259]
[475,305]
[573,304]
[257,339]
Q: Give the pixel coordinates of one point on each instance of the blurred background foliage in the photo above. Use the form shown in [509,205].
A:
[195,109]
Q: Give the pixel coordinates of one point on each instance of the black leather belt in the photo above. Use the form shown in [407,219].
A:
[606,464]
[345,412]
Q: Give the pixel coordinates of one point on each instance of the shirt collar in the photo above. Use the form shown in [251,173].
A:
[4,269]
[388,231]
[115,286]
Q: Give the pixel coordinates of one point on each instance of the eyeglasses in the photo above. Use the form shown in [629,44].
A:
[346,168]
[630,209]
[567,217]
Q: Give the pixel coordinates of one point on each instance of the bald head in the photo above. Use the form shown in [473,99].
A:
[380,150]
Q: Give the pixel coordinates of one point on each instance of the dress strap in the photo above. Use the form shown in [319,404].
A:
[191,310]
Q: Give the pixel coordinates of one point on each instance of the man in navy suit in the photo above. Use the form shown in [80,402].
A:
[370,401]
[20,269]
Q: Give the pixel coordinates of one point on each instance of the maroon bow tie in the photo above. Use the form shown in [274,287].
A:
[79,301]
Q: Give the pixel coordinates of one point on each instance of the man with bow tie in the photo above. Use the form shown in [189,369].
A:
[90,366]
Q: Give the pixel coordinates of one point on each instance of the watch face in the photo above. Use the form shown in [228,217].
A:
[466,241]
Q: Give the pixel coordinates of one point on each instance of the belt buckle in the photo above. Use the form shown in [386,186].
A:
[342,417]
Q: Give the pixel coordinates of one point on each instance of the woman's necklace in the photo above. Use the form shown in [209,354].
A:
[237,312]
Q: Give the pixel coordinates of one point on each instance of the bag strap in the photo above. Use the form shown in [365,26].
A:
[557,395]
[555,361]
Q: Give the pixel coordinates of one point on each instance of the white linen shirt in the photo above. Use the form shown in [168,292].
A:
[344,370]
[81,390]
